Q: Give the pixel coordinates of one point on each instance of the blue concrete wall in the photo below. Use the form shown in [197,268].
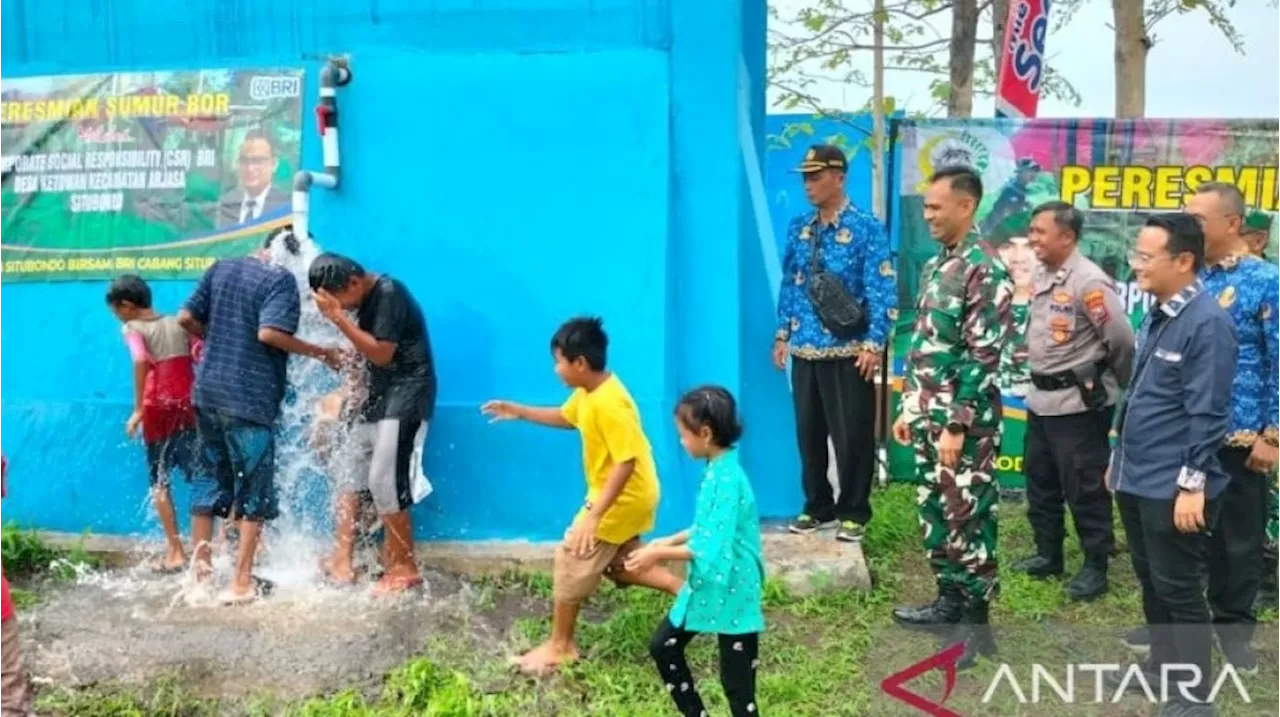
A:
[618,189]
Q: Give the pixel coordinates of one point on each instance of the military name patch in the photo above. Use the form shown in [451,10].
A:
[1095,303]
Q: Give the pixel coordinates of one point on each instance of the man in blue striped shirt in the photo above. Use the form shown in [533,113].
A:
[247,311]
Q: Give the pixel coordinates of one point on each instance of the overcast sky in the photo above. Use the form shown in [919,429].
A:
[1191,72]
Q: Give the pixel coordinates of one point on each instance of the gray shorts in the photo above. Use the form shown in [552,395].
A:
[385,458]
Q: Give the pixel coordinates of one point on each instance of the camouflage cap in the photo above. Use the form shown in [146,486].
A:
[1256,220]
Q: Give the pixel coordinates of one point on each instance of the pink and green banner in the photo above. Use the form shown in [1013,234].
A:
[1116,171]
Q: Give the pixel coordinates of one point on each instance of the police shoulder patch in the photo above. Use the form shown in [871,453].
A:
[1095,303]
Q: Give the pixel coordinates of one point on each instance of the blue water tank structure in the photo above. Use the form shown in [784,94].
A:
[516,163]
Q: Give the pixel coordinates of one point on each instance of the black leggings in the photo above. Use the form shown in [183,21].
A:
[737,669]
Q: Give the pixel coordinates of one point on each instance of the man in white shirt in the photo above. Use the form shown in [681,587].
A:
[255,167]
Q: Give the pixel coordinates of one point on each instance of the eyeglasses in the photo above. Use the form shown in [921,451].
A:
[1139,259]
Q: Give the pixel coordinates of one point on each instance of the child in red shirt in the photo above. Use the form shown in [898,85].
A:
[15,690]
[163,373]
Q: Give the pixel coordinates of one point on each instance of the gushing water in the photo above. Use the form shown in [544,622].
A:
[297,539]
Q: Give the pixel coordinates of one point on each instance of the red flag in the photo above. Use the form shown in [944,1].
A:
[1022,62]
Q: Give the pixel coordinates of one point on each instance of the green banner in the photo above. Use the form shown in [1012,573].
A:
[1116,171]
[155,173]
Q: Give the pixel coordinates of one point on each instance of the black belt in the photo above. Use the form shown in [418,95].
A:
[1060,380]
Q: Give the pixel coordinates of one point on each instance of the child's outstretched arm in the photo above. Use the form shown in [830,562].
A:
[541,415]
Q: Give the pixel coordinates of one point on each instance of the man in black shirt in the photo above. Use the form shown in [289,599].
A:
[386,446]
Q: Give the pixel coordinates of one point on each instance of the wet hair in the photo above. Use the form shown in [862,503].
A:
[290,240]
[1185,235]
[1064,215]
[712,407]
[582,337]
[960,179]
[131,288]
[1228,193]
[333,272]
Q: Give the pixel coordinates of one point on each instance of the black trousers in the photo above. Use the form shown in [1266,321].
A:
[738,662]
[1173,569]
[833,399]
[1236,560]
[1065,460]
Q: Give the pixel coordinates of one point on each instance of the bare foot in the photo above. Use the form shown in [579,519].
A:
[338,572]
[394,584]
[546,658]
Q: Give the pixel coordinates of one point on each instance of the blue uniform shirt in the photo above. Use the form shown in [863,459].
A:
[1247,287]
[1179,402]
[855,247]
[239,375]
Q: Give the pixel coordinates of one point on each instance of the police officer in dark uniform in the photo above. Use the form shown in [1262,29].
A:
[1081,352]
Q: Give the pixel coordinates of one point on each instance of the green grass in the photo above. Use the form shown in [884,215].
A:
[28,560]
[821,655]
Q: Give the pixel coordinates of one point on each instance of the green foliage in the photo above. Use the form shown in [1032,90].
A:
[27,556]
[24,553]
[828,41]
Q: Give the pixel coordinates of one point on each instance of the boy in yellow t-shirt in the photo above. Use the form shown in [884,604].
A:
[622,484]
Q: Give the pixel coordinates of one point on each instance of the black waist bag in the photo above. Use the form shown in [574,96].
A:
[843,315]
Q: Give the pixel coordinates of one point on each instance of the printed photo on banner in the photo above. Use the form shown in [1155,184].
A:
[157,174]
[1117,172]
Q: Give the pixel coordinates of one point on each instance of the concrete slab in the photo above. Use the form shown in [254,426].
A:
[807,564]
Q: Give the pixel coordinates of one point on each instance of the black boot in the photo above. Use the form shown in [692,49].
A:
[975,632]
[1091,581]
[940,614]
[1041,565]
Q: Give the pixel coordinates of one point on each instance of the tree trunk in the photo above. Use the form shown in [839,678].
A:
[1132,46]
[877,111]
[964,38]
[999,21]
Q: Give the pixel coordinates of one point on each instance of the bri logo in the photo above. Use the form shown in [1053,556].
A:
[271,87]
[895,685]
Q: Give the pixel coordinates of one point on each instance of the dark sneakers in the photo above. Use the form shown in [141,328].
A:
[850,531]
[1088,584]
[806,524]
[1138,639]
[1091,582]
[1241,656]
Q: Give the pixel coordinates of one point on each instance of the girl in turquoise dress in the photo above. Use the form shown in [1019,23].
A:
[723,590]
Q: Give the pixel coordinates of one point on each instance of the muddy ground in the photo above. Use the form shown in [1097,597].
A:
[128,626]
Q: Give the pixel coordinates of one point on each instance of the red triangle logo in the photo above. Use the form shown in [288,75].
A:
[895,685]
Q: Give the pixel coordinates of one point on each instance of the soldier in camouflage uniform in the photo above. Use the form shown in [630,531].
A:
[951,413]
